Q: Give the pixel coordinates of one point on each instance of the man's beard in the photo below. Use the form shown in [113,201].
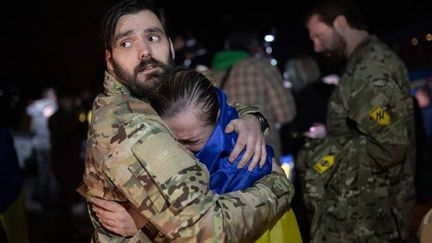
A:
[336,52]
[143,88]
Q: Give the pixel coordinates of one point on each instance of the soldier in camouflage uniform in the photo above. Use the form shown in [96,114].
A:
[358,182]
[132,157]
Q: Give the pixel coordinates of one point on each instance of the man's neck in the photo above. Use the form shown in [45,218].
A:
[353,39]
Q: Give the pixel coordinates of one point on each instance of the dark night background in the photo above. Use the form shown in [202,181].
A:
[51,43]
[45,43]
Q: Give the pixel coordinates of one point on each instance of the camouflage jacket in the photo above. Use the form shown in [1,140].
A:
[359,180]
[132,158]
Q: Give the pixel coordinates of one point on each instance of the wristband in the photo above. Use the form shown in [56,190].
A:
[263,122]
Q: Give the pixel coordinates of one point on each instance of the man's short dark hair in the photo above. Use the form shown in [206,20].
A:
[328,10]
[127,7]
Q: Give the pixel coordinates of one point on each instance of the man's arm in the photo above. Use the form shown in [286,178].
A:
[379,118]
[170,189]
[126,220]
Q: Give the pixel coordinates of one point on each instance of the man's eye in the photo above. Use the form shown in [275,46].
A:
[154,38]
[126,44]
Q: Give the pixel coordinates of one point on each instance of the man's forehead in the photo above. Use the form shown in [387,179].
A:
[139,21]
[316,26]
[314,22]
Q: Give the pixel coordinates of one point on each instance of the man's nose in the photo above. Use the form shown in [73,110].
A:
[317,47]
[144,52]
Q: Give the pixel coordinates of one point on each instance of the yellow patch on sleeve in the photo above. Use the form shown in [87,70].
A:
[379,115]
[324,163]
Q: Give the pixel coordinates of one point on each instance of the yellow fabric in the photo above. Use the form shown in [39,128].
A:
[285,230]
[14,221]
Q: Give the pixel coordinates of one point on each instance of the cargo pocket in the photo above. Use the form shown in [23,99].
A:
[321,163]
[153,199]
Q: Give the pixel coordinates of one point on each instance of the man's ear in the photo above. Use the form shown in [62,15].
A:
[172,48]
[109,61]
[340,23]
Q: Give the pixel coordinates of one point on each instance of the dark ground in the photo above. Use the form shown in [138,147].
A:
[50,226]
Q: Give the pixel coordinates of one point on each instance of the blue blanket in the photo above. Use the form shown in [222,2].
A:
[224,176]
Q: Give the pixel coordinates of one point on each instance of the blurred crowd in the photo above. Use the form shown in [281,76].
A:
[48,131]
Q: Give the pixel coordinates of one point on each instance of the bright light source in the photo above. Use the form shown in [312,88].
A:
[429,37]
[269,38]
[268,50]
[331,79]
[414,41]
[48,111]
[82,117]
[187,62]
[273,62]
[287,84]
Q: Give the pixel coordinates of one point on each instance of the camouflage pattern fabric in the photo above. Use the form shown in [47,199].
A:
[132,158]
[358,182]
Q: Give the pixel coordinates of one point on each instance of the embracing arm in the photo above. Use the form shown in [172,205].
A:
[169,187]
[125,219]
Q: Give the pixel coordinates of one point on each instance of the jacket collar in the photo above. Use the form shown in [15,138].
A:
[113,86]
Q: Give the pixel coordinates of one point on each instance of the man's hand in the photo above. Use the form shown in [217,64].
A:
[249,135]
[317,130]
[114,217]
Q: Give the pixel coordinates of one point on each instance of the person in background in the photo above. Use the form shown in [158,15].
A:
[250,79]
[45,191]
[425,102]
[132,157]
[425,230]
[423,180]
[359,181]
[13,221]
[66,135]
[311,95]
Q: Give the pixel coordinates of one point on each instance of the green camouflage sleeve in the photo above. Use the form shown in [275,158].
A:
[245,109]
[379,110]
[170,188]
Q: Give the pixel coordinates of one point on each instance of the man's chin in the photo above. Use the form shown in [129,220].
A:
[328,54]
[143,91]
[141,77]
